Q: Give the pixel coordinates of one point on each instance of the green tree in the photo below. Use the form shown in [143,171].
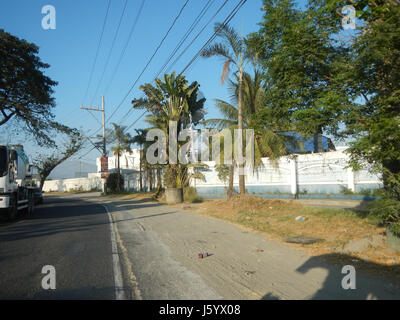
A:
[234,51]
[372,76]
[303,64]
[25,92]
[46,164]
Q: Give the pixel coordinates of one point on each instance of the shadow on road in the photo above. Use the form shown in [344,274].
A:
[373,280]
[55,216]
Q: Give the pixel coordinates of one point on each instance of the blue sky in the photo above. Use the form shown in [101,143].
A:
[70,51]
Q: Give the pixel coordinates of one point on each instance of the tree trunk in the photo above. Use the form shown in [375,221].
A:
[391,178]
[119,174]
[150,175]
[229,192]
[242,186]
[140,171]
[42,184]
[318,141]
[159,182]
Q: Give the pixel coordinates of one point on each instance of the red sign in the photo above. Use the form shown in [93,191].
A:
[104,167]
[104,175]
[103,164]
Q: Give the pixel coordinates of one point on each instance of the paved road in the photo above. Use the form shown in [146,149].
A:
[158,248]
[69,233]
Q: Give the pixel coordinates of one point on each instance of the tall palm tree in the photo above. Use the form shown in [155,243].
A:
[171,99]
[140,139]
[266,142]
[123,143]
[234,51]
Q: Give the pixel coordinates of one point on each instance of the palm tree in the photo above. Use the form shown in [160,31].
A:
[123,143]
[234,51]
[266,142]
[140,139]
[172,99]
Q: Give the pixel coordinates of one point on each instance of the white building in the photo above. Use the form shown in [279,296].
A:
[128,162]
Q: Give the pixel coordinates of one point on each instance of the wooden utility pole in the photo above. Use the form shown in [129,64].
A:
[103,123]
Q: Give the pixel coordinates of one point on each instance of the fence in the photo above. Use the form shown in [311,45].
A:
[78,184]
[318,173]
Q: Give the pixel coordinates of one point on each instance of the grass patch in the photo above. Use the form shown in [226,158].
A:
[190,195]
[277,218]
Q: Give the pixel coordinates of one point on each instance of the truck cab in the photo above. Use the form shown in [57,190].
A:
[15,194]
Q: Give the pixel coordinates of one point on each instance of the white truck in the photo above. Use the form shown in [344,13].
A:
[16,194]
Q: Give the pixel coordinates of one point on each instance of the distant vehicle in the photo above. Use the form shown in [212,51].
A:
[38,196]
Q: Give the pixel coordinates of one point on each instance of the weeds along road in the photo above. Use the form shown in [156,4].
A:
[158,248]
[66,232]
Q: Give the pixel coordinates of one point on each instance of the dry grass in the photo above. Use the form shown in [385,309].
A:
[133,196]
[276,218]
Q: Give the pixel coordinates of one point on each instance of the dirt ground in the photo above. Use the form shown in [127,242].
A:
[277,219]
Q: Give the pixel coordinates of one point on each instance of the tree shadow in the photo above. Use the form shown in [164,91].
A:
[373,280]
[270,296]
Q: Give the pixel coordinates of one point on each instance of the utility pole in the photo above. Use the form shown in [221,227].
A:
[103,124]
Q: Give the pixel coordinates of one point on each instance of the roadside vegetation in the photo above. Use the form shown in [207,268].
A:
[277,219]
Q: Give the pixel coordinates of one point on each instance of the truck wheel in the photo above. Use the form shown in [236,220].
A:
[12,212]
[31,207]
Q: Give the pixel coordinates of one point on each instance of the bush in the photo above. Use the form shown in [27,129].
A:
[346,191]
[388,211]
[112,182]
[190,195]
[77,190]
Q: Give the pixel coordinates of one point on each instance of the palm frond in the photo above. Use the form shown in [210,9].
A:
[218,123]
[228,110]
[225,71]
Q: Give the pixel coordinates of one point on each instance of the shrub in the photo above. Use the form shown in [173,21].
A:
[190,195]
[388,211]
[76,190]
[346,191]
[112,182]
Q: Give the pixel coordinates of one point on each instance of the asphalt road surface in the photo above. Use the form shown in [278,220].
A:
[68,233]
[153,250]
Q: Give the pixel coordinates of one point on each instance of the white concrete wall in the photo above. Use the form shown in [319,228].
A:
[305,173]
[324,173]
[65,185]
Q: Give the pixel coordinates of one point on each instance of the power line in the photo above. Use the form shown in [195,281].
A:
[174,52]
[226,21]
[97,51]
[151,59]
[183,39]
[111,50]
[87,153]
[125,46]
[198,34]
[123,51]
[187,34]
